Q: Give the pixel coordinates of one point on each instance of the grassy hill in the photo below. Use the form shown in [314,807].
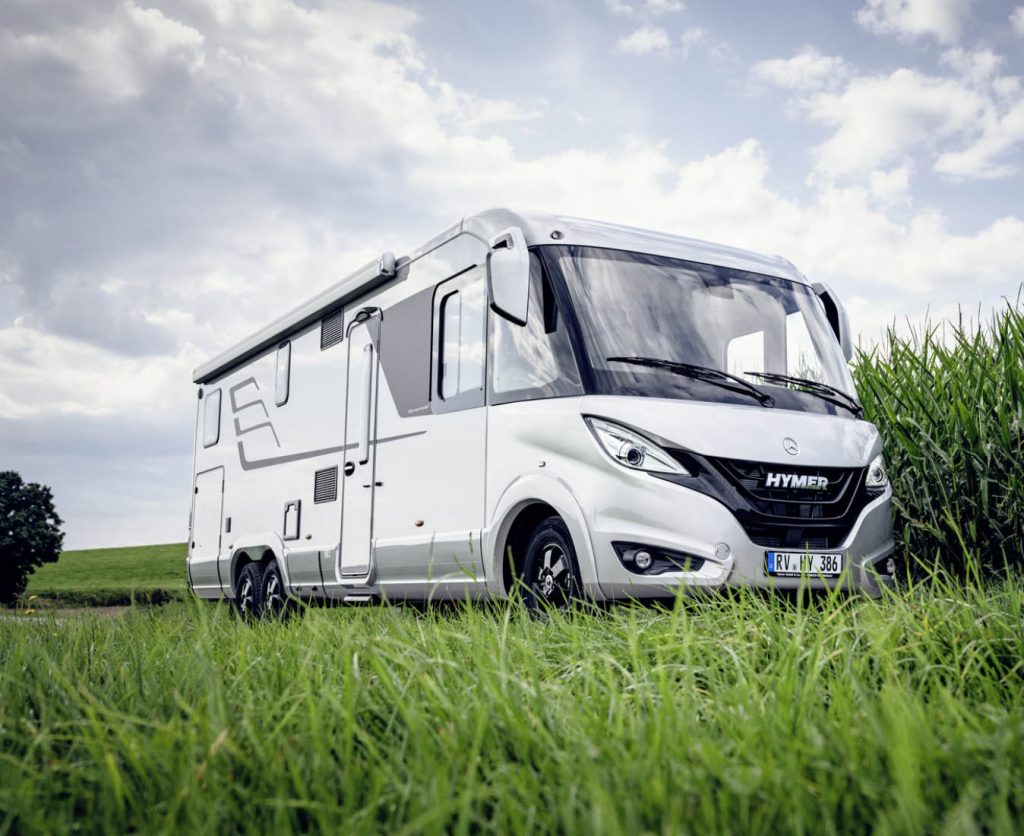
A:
[113,576]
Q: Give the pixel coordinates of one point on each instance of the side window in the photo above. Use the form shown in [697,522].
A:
[535,360]
[745,353]
[801,355]
[461,306]
[211,419]
[284,373]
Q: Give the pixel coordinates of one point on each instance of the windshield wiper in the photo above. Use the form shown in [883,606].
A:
[813,387]
[702,373]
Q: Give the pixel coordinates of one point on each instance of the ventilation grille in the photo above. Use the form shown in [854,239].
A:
[326,487]
[332,329]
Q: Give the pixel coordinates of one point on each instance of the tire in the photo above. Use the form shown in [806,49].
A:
[551,572]
[274,601]
[248,591]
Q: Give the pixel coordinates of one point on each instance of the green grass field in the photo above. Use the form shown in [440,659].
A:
[745,714]
[112,576]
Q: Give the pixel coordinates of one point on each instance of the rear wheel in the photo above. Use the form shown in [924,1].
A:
[551,571]
[247,591]
[275,601]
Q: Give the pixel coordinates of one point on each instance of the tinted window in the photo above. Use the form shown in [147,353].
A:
[211,419]
[535,360]
[284,370]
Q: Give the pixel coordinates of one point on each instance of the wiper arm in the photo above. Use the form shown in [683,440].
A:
[703,373]
[813,387]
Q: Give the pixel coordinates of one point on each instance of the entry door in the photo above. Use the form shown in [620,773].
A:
[360,449]
[207,512]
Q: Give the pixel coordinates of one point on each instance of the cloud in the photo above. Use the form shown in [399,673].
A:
[964,125]
[692,38]
[645,40]
[654,7]
[808,69]
[940,19]
[166,194]
[892,186]
[878,119]
[1017,20]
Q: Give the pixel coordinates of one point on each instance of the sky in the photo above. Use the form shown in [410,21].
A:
[173,175]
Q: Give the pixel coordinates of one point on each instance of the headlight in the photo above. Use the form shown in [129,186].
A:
[632,450]
[876,477]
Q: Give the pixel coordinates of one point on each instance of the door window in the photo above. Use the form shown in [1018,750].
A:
[461,320]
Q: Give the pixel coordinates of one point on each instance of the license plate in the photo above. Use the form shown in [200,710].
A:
[798,564]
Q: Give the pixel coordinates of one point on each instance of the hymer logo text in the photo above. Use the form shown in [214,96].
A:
[791,480]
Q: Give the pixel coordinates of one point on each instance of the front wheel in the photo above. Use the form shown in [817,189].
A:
[552,574]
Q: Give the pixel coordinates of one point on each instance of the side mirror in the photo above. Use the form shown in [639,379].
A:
[508,275]
[837,318]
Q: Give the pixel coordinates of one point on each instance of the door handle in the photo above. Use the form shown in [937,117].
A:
[350,468]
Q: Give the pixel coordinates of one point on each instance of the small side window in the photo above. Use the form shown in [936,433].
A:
[211,419]
[284,373]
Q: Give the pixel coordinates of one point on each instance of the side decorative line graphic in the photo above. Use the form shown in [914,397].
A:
[312,454]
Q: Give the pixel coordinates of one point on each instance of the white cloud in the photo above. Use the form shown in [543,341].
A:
[1017,20]
[878,119]
[692,38]
[617,7]
[664,6]
[654,7]
[808,69]
[941,19]
[892,186]
[644,40]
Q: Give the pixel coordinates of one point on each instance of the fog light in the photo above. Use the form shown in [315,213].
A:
[890,566]
[722,551]
[643,560]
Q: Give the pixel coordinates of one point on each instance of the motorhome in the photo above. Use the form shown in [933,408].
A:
[579,410]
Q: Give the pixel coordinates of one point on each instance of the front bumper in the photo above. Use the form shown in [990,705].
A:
[670,516]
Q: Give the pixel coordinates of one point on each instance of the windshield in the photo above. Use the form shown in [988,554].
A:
[631,305]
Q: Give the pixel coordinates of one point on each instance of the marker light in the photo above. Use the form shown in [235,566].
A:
[632,450]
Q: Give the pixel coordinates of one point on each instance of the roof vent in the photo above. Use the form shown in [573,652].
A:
[332,329]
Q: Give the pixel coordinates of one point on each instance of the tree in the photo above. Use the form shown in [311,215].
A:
[30,533]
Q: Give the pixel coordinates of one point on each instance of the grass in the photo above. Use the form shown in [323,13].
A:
[102,577]
[744,714]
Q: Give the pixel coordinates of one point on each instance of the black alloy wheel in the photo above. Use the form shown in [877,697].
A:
[274,598]
[551,571]
[247,591]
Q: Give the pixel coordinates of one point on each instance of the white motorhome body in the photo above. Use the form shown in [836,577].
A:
[683,408]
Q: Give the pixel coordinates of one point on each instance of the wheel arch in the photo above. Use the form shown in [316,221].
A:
[257,549]
[524,505]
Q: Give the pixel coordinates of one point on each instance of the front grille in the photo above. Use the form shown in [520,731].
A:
[782,517]
[776,537]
